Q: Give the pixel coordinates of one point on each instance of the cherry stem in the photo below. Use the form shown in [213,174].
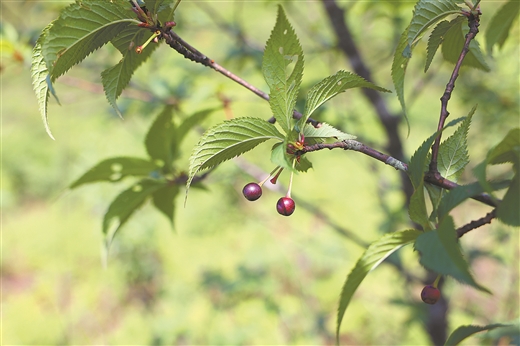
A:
[139,49]
[291,179]
[436,282]
[269,176]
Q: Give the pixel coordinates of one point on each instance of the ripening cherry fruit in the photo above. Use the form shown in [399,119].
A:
[430,294]
[285,206]
[252,191]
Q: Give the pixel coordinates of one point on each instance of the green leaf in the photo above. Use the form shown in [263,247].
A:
[453,152]
[417,163]
[508,209]
[164,200]
[399,64]
[40,80]
[81,28]
[436,38]
[501,23]
[126,203]
[426,13]
[186,126]
[282,67]
[159,137]
[508,150]
[280,157]
[464,332]
[454,43]
[461,193]
[115,169]
[373,256]
[325,131]
[116,78]
[332,86]
[441,253]
[228,140]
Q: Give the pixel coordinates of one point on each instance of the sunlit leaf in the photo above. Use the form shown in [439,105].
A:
[501,23]
[332,86]
[40,79]
[282,67]
[228,140]
[440,252]
[325,131]
[115,169]
[81,28]
[453,152]
[426,13]
[116,78]
[399,64]
[373,256]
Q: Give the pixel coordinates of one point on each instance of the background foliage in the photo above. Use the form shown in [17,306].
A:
[232,272]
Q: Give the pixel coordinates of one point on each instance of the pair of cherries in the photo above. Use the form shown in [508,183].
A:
[285,205]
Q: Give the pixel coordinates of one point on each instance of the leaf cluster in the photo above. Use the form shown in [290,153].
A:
[86,26]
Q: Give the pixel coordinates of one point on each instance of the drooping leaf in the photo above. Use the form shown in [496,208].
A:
[501,23]
[441,253]
[464,332]
[437,37]
[282,67]
[126,203]
[453,44]
[40,80]
[416,167]
[279,155]
[332,86]
[508,150]
[426,13]
[399,64]
[81,28]
[454,197]
[159,137]
[453,152]
[228,140]
[116,78]
[164,200]
[508,210]
[325,131]
[115,169]
[374,255]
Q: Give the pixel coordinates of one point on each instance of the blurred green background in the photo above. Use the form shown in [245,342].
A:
[231,271]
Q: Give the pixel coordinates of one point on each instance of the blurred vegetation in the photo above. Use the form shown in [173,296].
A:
[231,272]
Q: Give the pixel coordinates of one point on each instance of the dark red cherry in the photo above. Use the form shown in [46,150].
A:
[252,191]
[285,206]
[430,294]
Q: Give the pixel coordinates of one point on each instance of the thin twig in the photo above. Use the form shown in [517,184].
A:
[477,223]
[473,30]
[191,53]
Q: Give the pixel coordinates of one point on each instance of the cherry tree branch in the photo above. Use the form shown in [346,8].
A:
[477,223]
[473,30]
[391,161]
